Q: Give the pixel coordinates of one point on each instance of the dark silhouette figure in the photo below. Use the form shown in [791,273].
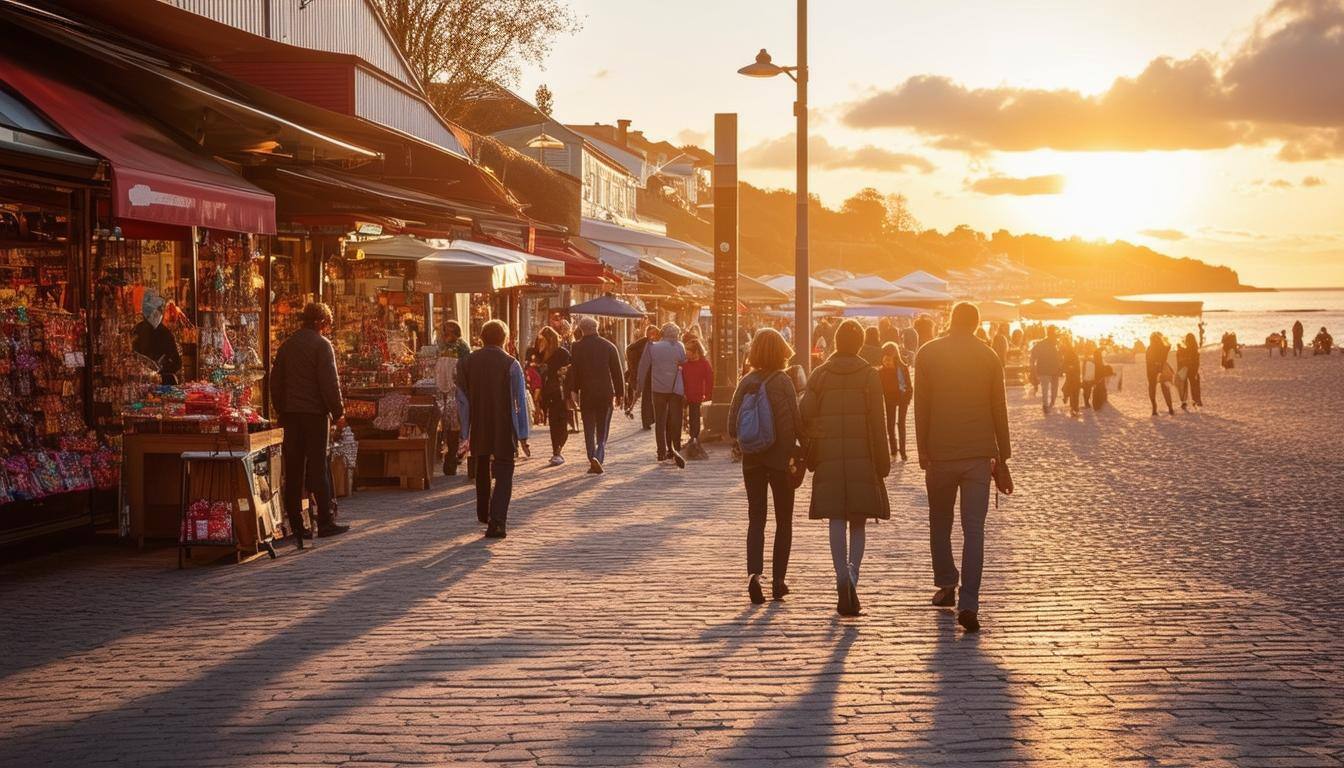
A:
[1187,372]
[1159,371]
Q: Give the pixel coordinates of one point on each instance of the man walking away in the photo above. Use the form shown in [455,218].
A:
[497,396]
[961,431]
[306,392]
[595,377]
[661,368]
[633,354]
[1047,364]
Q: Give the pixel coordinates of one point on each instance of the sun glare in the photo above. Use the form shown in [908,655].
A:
[1114,195]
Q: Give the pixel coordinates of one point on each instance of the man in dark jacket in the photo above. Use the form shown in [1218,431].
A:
[595,376]
[961,430]
[306,392]
[633,354]
[497,396]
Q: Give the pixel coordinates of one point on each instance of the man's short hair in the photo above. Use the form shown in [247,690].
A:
[849,337]
[651,332]
[316,313]
[495,333]
[965,316]
[588,326]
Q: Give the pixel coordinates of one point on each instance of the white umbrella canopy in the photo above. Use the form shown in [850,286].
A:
[785,284]
[867,285]
[921,280]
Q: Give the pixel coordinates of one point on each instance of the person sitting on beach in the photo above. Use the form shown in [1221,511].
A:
[1272,342]
[1323,342]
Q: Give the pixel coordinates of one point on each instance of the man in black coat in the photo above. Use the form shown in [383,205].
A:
[306,391]
[496,395]
[595,375]
[633,354]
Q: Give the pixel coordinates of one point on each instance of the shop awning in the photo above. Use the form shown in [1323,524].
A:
[537,266]
[460,270]
[153,177]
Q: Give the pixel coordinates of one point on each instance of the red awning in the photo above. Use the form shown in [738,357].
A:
[153,177]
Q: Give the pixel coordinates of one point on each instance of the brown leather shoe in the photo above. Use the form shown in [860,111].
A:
[968,621]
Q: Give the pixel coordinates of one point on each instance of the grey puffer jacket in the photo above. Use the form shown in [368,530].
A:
[844,430]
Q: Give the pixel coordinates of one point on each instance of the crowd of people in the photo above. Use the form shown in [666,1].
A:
[844,423]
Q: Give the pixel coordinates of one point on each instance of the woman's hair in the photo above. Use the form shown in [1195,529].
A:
[769,351]
[871,335]
[1190,340]
[494,333]
[891,349]
[1156,338]
[849,337]
[551,338]
[693,345]
[452,326]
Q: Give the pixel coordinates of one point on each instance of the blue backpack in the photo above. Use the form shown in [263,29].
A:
[756,421]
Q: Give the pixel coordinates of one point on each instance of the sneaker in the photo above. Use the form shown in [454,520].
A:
[557,460]
[594,467]
[968,621]
[945,597]
[754,589]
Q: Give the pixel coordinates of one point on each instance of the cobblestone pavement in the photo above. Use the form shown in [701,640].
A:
[1162,592]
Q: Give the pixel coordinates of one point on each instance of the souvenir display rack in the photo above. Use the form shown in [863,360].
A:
[369,299]
[46,448]
[230,286]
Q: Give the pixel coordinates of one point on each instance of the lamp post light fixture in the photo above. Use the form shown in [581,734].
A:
[802,296]
[544,141]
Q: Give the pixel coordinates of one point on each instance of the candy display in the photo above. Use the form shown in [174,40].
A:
[376,331]
[207,521]
[194,408]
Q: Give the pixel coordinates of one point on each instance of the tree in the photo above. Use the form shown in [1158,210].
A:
[454,46]
[545,100]
[899,217]
[866,213]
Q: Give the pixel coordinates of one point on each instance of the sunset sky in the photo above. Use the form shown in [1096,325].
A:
[1205,128]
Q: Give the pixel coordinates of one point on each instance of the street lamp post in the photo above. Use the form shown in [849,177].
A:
[802,294]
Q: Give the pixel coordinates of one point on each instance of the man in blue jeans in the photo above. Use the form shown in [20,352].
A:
[1047,363]
[496,393]
[961,430]
[595,377]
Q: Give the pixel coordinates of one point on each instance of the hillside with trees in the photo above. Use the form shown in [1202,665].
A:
[875,233]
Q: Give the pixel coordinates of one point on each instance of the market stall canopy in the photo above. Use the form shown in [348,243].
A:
[461,269]
[867,285]
[753,291]
[402,247]
[921,280]
[605,306]
[42,145]
[153,177]
[580,268]
[998,311]
[820,288]
[907,297]
[536,266]
[644,242]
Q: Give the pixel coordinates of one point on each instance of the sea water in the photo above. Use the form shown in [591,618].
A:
[1251,315]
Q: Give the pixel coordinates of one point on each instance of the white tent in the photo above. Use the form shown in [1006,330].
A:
[921,280]
[785,284]
[867,285]
[537,266]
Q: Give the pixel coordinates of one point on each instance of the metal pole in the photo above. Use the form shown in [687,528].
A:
[802,294]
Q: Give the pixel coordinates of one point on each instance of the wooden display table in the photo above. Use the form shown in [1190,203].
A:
[153,467]
[405,458]
[243,481]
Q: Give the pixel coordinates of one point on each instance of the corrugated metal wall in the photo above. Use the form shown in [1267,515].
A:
[382,103]
[339,26]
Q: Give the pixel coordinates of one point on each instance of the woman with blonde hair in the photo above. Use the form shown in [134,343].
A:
[766,466]
[553,362]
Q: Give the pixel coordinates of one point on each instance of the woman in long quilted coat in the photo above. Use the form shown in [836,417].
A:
[843,421]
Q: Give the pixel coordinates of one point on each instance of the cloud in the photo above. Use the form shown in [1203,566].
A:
[1164,234]
[689,136]
[1009,185]
[1313,181]
[1273,87]
[780,153]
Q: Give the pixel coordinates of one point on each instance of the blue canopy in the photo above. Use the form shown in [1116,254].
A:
[605,306]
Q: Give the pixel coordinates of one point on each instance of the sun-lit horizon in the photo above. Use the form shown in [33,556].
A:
[1003,118]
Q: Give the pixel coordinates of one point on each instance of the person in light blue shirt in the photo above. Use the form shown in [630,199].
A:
[661,365]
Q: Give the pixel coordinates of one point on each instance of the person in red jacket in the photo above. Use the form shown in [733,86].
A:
[697,378]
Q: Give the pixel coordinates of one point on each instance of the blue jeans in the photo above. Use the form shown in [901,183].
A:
[943,480]
[596,426]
